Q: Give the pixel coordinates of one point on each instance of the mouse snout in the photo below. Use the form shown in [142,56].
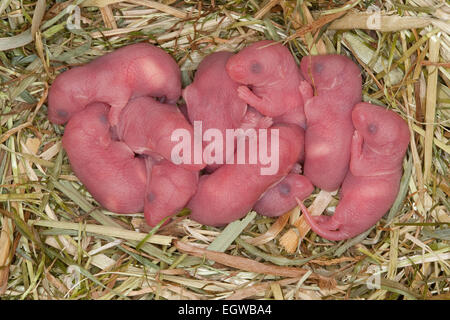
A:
[58,115]
[236,71]
[360,117]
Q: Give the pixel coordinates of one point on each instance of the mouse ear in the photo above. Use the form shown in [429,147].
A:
[394,149]
[189,94]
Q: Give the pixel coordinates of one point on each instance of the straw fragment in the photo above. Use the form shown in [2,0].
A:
[379,22]
[39,12]
[430,113]
[273,231]
[239,262]
[105,230]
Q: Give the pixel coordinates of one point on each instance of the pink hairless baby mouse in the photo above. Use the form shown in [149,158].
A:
[168,189]
[336,81]
[231,191]
[146,126]
[108,168]
[281,198]
[379,144]
[212,97]
[132,71]
[270,79]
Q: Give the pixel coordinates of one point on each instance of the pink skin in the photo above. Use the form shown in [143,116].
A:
[132,71]
[333,76]
[282,197]
[295,117]
[183,109]
[146,126]
[109,169]
[371,185]
[212,98]
[270,79]
[254,119]
[337,83]
[233,189]
[168,191]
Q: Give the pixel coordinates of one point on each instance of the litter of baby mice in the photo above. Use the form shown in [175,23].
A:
[224,150]
[256,131]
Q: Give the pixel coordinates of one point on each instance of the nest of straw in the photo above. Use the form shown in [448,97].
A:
[57,243]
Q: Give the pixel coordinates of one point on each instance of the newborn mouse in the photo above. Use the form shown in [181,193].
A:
[108,168]
[269,78]
[336,81]
[132,71]
[371,185]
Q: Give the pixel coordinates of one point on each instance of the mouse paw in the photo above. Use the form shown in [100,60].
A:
[358,166]
[265,122]
[248,96]
[114,115]
[250,120]
[297,168]
[305,90]
[255,120]
[357,143]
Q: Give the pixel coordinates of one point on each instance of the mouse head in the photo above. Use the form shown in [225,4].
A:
[65,100]
[158,71]
[257,63]
[214,62]
[327,72]
[91,124]
[382,130]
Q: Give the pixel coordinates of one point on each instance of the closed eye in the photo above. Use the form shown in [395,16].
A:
[372,128]
[256,67]
[318,67]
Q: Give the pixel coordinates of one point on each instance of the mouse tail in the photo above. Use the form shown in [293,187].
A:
[319,228]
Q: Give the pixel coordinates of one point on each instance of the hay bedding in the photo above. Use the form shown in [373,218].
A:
[56,243]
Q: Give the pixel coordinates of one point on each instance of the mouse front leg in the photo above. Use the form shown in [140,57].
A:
[115,110]
[357,165]
[255,120]
[249,97]
[263,105]
[306,90]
